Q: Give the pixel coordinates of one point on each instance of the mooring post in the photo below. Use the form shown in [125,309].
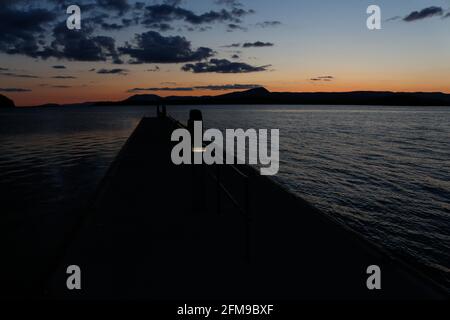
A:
[198,174]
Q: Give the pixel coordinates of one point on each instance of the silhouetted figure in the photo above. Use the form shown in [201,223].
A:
[194,115]
[163,111]
[158,112]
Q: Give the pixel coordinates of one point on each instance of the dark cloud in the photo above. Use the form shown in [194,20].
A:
[267,24]
[14,90]
[164,13]
[18,75]
[120,6]
[80,45]
[40,31]
[37,33]
[154,69]
[233,45]
[222,66]
[21,30]
[394,19]
[61,87]
[173,2]
[229,87]
[113,71]
[4,69]
[233,27]
[323,78]
[209,87]
[162,89]
[160,26]
[229,3]
[424,13]
[64,77]
[257,44]
[100,20]
[151,47]
[59,67]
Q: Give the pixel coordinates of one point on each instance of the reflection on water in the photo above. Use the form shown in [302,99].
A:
[384,171]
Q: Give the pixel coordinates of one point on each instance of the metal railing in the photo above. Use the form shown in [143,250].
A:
[215,173]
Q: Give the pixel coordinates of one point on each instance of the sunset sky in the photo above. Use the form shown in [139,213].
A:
[208,47]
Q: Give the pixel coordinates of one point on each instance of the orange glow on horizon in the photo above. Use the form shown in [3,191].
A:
[41,96]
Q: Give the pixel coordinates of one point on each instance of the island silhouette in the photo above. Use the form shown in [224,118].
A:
[263,96]
[5,102]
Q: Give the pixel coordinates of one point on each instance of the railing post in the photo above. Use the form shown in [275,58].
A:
[247,220]
[218,187]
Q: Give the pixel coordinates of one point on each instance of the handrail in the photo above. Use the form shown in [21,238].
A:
[243,209]
[182,126]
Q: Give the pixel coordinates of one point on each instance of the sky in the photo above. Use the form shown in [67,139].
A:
[210,47]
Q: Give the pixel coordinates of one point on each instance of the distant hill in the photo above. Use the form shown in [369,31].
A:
[5,102]
[263,96]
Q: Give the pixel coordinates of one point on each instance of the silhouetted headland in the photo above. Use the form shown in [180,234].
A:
[262,96]
[5,102]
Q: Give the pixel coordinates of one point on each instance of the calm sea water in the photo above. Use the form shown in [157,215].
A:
[384,171]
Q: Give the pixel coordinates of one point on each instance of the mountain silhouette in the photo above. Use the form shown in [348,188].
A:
[6,102]
[263,96]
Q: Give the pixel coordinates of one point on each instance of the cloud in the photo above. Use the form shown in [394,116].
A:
[394,19]
[151,47]
[164,13]
[154,69]
[257,44]
[161,89]
[113,71]
[17,75]
[209,87]
[120,6]
[222,66]
[229,87]
[59,67]
[424,13]
[61,87]
[21,30]
[229,3]
[233,27]
[163,26]
[37,33]
[323,78]
[267,24]
[80,46]
[64,77]
[14,90]
[235,56]
[233,45]
[38,30]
